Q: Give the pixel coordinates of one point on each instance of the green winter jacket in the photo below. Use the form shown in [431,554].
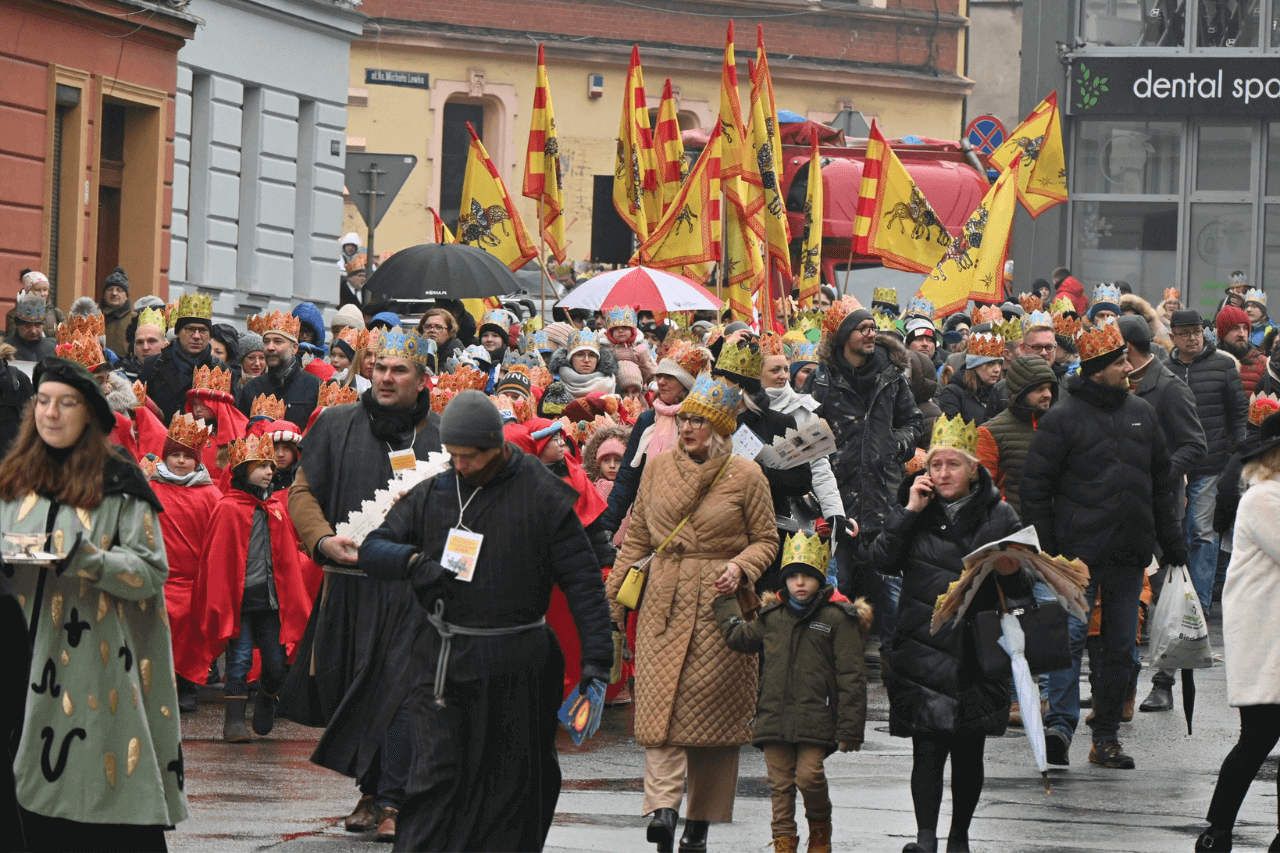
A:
[1013,429]
[814,689]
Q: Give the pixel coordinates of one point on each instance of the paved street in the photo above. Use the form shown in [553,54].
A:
[268,796]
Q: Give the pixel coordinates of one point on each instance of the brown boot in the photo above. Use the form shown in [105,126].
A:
[1015,715]
[819,837]
[1127,715]
[786,843]
[363,817]
[387,824]
[233,728]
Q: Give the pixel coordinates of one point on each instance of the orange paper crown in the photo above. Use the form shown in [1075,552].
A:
[835,315]
[189,432]
[540,376]
[521,409]
[987,345]
[771,344]
[214,380]
[440,398]
[81,326]
[690,358]
[139,394]
[463,378]
[278,322]
[254,448]
[987,314]
[336,394]
[1172,293]
[267,406]
[82,350]
[1094,341]
[1029,302]
[1066,326]
[1263,406]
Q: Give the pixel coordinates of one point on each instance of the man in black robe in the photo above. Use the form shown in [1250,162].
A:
[485,775]
[350,673]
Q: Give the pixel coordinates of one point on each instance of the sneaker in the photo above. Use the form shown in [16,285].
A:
[1057,747]
[1108,753]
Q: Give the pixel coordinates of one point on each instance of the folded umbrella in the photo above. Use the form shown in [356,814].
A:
[1014,642]
[433,270]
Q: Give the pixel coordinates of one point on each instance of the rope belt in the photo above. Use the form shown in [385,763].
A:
[448,631]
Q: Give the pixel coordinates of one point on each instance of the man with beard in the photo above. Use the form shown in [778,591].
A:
[1232,325]
[284,377]
[168,374]
[351,673]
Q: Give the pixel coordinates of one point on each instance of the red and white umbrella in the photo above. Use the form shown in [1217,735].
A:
[641,288]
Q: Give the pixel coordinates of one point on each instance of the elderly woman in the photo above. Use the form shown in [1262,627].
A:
[440,326]
[99,764]
[706,517]
[937,694]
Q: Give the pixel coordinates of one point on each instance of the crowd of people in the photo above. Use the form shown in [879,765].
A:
[179,495]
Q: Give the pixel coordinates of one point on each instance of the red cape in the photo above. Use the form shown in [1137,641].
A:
[232,424]
[187,510]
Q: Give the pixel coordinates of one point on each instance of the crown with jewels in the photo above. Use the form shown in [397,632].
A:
[192,306]
[807,550]
[463,378]
[1062,305]
[139,394]
[1036,318]
[1262,406]
[1106,293]
[191,433]
[1066,325]
[986,345]
[771,343]
[688,357]
[538,342]
[409,345]
[153,317]
[582,339]
[254,448]
[212,381]
[1172,293]
[987,314]
[715,400]
[82,326]
[887,295]
[1010,330]
[620,315]
[884,321]
[277,322]
[267,406]
[955,433]
[496,317]
[1029,302]
[1255,295]
[1095,340]
[804,353]
[523,361]
[920,307]
[742,358]
[836,314]
[335,394]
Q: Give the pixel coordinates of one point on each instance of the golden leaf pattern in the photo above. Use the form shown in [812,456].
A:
[131,579]
[103,606]
[93,702]
[66,658]
[113,699]
[68,707]
[164,709]
[131,758]
[84,587]
[105,651]
[120,610]
[144,666]
[142,605]
[55,609]
[86,520]
[22,601]
[59,538]
[109,764]
[28,504]
[149,529]
[105,542]
[135,694]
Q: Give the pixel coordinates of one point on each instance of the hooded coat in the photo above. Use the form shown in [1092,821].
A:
[957,398]
[924,387]
[604,379]
[1220,401]
[1004,440]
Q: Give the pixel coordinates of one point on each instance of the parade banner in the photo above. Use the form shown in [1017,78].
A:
[441,231]
[543,180]
[688,237]
[1036,145]
[488,217]
[766,153]
[811,245]
[744,264]
[635,172]
[672,168]
[732,128]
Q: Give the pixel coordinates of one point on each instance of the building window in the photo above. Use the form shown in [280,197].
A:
[1129,157]
[1200,24]
[1135,242]
[1224,157]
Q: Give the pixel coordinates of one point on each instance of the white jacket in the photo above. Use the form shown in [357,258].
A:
[787,401]
[1251,600]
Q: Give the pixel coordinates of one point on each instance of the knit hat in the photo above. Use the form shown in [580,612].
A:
[384,320]
[31,278]
[610,447]
[558,335]
[118,279]
[250,342]
[348,315]
[515,380]
[54,369]
[629,375]
[471,420]
[554,399]
[1135,330]
[149,301]
[1229,317]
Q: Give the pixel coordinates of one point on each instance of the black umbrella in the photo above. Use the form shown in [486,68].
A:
[1188,695]
[433,270]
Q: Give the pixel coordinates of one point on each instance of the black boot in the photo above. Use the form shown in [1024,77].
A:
[264,711]
[1159,699]
[1215,840]
[694,839]
[662,829]
[188,696]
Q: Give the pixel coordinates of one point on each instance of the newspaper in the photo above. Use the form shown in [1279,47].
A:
[798,446]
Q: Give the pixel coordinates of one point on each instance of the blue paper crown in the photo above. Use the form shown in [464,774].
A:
[619,315]
[496,317]
[1037,318]
[804,353]
[921,307]
[409,345]
[1107,293]
[583,339]
[538,341]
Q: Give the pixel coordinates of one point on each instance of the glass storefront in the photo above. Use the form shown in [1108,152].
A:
[1186,24]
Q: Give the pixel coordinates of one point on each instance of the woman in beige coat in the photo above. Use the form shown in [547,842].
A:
[694,695]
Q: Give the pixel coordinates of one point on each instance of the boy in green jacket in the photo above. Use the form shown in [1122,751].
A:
[813,695]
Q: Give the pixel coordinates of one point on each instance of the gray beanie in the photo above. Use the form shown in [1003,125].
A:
[471,420]
[119,279]
[1134,330]
[250,342]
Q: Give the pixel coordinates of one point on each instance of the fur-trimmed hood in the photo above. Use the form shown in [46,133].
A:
[619,431]
[859,610]
[120,394]
[1143,308]
[608,364]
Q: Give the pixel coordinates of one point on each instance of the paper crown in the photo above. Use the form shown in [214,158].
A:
[531,325]
[1098,340]
[82,350]
[807,321]
[1107,294]
[139,394]
[987,314]
[335,394]
[276,322]
[619,315]
[357,263]
[351,337]
[920,307]
[715,400]
[408,345]
[987,345]
[582,339]
[804,353]
[836,314]
[582,430]
[267,406]
[153,317]
[793,336]
[524,361]
[213,380]
[888,295]
[741,358]
[496,317]
[1238,278]
[521,410]
[1029,302]
[955,433]
[806,550]
[771,343]
[1036,318]
[916,462]
[1255,295]
[1062,305]
[30,309]
[884,321]
[1010,330]
[254,448]
[189,433]
[685,358]
[82,326]
[1172,293]
[538,342]
[149,464]
[463,378]
[1261,407]
[192,306]
[1066,325]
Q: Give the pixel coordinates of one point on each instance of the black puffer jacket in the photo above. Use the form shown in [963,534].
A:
[1175,406]
[1096,481]
[165,386]
[958,399]
[1220,401]
[934,681]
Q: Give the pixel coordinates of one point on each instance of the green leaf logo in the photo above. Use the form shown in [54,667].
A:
[1089,86]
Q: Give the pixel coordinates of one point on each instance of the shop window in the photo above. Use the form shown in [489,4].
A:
[1129,158]
[1219,240]
[1271,249]
[1138,23]
[1273,158]
[1224,157]
[1227,23]
[1133,241]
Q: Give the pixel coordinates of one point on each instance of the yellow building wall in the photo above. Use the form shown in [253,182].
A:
[402,120]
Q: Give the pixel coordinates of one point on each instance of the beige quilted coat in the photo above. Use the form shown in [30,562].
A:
[691,688]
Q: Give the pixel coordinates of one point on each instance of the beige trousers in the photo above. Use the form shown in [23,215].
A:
[794,766]
[711,773]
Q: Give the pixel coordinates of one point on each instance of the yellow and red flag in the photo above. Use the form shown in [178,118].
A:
[441,231]
[733,128]
[635,171]
[543,181]
[1036,145]
[811,247]
[672,167]
[973,265]
[744,264]
[766,149]
[688,237]
[488,218]
[893,218]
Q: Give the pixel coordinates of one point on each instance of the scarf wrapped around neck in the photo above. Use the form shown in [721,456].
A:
[388,423]
[662,435]
[582,384]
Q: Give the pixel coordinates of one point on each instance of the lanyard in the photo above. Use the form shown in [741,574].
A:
[463,507]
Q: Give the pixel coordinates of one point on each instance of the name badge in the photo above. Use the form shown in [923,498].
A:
[461,553]
[403,460]
[819,626]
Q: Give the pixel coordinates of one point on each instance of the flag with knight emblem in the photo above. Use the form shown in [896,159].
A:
[439,229]
[669,147]
[488,218]
[811,244]
[1036,145]
[893,219]
[744,264]
[688,237]
[766,149]
[543,180]
[635,171]
[734,154]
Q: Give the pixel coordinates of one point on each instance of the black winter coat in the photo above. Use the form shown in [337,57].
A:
[791,483]
[165,387]
[1220,401]
[15,391]
[957,399]
[299,390]
[1175,406]
[935,683]
[1096,482]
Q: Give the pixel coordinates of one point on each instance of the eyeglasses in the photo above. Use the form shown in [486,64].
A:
[193,329]
[62,404]
[435,327]
[1194,333]
[1042,348]
[866,329]
[693,421]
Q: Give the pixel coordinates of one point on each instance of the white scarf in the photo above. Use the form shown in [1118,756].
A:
[582,384]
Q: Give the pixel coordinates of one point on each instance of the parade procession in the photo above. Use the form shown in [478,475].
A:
[541,488]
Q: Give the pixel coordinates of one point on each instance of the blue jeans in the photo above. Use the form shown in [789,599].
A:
[259,628]
[1202,541]
[1121,588]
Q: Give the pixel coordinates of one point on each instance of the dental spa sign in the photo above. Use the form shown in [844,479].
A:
[1230,87]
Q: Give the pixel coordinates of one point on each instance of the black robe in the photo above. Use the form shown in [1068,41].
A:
[485,774]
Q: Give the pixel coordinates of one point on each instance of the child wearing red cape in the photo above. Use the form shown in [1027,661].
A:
[210,400]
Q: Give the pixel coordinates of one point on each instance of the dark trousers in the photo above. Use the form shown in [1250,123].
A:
[928,760]
[260,628]
[1259,731]
[50,834]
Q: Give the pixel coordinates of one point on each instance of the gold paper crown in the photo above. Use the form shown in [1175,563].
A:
[192,306]
[1062,305]
[153,317]
[884,322]
[741,358]
[82,326]
[716,400]
[463,378]
[1029,302]
[955,433]
[1172,293]
[139,394]
[335,394]
[1263,406]
[771,344]
[987,345]
[887,295]
[254,448]
[807,321]
[1065,326]
[835,315]
[1010,330]
[277,322]
[83,350]
[267,406]
[806,550]
[1094,341]
[214,379]
[987,314]
[192,433]
[533,324]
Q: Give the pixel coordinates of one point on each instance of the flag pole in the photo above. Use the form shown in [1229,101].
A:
[848,268]
[542,258]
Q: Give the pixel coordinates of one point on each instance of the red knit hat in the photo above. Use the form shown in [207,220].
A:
[1229,317]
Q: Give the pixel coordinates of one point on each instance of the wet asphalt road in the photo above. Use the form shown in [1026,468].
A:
[267,795]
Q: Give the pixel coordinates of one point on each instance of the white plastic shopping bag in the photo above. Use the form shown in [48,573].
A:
[1179,632]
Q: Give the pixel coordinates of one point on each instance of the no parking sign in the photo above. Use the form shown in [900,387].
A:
[986,133]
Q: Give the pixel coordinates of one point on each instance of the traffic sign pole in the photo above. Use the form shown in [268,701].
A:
[371,195]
